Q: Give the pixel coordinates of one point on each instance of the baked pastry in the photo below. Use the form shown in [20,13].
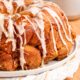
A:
[32,34]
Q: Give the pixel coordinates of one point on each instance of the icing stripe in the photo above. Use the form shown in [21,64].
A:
[54,15]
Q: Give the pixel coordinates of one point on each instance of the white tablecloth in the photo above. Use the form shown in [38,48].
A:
[60,73]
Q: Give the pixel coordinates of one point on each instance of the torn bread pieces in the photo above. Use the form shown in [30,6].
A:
[32,33]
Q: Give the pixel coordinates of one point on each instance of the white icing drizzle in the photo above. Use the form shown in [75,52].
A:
[52,31]
[9,6]
[11,28]
[21,31]
[69,39]
[19,2]
[34,10]
[41,37]
[2,17]
[33,26]
[69,27]
[53,37]
[55,17]
[22,59]
[13,43]
[37,1]
[11,34]
[40,24]
[20,28]
[25,41]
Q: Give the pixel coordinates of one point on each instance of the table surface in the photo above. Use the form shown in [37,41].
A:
[76,28]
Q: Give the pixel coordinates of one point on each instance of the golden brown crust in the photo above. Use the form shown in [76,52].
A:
[32,57]
[33,51]
[7,62]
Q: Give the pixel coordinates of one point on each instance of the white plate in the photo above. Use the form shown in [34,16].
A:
[49,66]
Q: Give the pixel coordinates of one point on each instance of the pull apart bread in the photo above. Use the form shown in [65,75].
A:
[32,33]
